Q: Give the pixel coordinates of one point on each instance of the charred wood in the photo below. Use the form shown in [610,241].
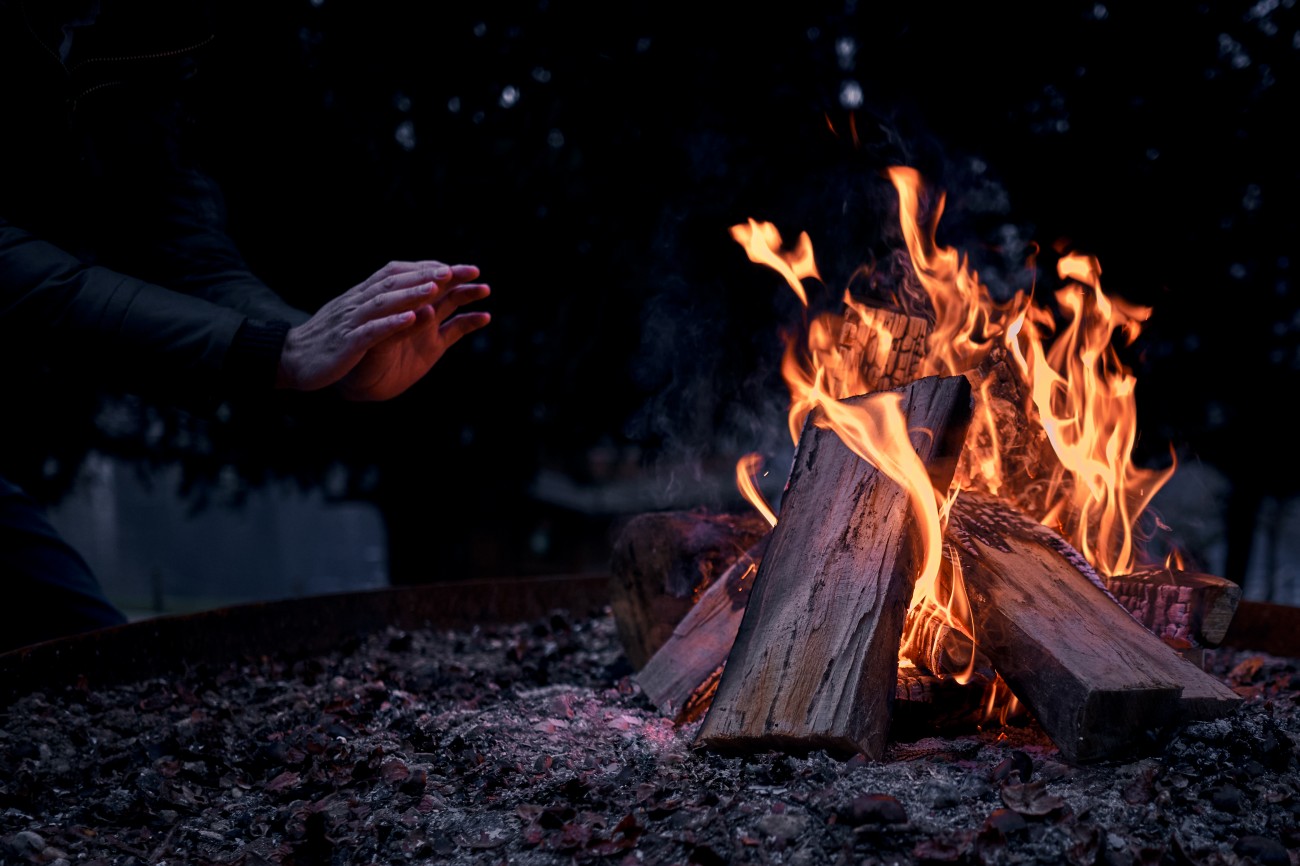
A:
[1184,608]
[662,561]
[886,349]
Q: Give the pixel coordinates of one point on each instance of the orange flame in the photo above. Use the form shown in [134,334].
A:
[1073,385]
[876,429]
[746,479]
[966,319]
[763,244]
[1084,396]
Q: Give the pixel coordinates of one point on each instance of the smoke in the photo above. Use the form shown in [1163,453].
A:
[713,396]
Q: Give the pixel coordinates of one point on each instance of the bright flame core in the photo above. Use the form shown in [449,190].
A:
[1071,387]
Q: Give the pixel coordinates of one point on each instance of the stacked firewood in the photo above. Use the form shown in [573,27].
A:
[795,644]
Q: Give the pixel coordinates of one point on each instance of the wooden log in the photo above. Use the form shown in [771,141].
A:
[682,675]
[929,705]
[660,563]
[1101,685]
[1008,453]
[1179,606]
[1266,627]
[815,661]
[879,349]
[1189,611]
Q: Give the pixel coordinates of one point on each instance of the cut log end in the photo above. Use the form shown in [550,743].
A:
[1179,605]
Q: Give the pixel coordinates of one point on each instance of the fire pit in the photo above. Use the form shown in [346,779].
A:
[528,740]
[946,650]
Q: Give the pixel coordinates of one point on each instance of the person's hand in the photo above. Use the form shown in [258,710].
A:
[381,336]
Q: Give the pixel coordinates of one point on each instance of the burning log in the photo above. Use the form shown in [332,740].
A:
[659,565]
[815,660]
[1179,606]
[682,676]
[1096,680]
[885,348]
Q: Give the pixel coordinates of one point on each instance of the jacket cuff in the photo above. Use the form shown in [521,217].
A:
[254,355]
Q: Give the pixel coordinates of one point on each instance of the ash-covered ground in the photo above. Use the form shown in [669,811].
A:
[531,744]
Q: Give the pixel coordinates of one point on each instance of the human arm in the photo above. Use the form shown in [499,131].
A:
[57,310]
[371,342]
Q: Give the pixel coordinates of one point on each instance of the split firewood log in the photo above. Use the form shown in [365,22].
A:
[1101,684]
[815,660]
[682,675]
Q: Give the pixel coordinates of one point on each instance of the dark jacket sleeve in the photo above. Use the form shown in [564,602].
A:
[102,323]
[115,261]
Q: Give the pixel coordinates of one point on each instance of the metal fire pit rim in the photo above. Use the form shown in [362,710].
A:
[162,645]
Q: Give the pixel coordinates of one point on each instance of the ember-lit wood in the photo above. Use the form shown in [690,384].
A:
[680,677]
[815,661]
[1179,605]
[661,561]
[1099,682]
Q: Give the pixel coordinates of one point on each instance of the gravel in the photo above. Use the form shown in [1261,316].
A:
[530,743]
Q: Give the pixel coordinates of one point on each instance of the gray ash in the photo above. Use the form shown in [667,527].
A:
[531,743]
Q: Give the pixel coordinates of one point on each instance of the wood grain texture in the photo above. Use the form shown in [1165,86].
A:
[680,676]
[815,660]
[1101,684]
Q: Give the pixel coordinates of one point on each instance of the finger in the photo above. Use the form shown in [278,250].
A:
[458,326]
[424,315]
[374,331]
[394,301]
[463,274]
[397,276]
[458,297]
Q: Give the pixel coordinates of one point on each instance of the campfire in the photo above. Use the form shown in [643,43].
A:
[962,525]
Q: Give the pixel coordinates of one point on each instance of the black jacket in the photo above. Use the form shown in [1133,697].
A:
[114,260]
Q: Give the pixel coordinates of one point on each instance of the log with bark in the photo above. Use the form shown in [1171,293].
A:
[1101,684]
[815,661]
[1114,713]
[1185,608]
[681,675]
[662,562]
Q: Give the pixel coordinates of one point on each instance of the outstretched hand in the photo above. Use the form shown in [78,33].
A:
[383,335]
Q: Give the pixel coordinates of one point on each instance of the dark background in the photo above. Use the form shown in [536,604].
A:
[591,159]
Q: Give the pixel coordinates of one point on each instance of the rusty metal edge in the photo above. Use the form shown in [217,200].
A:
[168,644]
[1265,627]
